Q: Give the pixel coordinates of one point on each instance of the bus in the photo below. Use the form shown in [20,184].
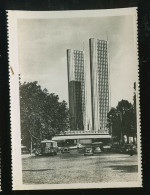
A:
[47,147]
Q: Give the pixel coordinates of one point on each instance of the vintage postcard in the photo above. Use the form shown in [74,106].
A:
[74,90]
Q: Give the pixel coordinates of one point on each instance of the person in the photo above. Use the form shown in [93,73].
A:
[131,150]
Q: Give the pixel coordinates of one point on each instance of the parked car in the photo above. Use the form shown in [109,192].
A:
[107,148]
[129,149]
[97,150]
[124,149]
[134,149]
[116,148]
[65,150]
[88,151]
[24,150]
[97,147]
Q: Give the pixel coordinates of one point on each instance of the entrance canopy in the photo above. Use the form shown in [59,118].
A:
[85,136]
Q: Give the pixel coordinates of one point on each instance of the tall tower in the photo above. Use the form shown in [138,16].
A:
[99,83]
[76,87]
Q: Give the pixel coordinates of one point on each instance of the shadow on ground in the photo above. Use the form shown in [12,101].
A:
[125,168]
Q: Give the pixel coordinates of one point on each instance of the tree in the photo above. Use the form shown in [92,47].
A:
[123,120]
[42,115]
[114,123]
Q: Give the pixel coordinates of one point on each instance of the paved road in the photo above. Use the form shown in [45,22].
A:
[77,168]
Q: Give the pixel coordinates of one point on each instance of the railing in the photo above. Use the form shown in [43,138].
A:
[82,132]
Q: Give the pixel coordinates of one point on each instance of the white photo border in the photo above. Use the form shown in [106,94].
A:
[13,16]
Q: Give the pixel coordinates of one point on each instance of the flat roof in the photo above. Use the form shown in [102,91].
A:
[94,136]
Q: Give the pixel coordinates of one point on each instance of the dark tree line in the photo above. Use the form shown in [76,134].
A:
[42,114]
[122,121]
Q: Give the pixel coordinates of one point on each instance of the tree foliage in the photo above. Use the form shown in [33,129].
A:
[42,115]
[122,120]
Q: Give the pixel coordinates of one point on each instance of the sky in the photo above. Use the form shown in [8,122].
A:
[42,45]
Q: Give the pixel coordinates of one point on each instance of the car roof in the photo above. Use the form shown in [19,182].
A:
[48,141]
[97,143]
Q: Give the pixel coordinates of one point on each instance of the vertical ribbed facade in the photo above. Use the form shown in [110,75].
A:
[99,83]
[76,87]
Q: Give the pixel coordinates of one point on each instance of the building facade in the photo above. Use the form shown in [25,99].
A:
[76,87]
[99,83]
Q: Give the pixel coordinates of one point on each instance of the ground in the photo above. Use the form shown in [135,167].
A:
[77,168]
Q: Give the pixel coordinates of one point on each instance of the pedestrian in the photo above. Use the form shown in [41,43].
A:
[131,150]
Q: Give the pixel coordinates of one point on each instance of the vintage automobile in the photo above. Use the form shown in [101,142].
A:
[97,147]
[88,151]
[47,147]
[124,149]
[107,148]
[24,150]
[129,149]
[115,148]
[65,150]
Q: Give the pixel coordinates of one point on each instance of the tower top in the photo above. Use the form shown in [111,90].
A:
[96,39]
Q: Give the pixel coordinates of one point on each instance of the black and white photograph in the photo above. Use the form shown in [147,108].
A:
[74,89]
